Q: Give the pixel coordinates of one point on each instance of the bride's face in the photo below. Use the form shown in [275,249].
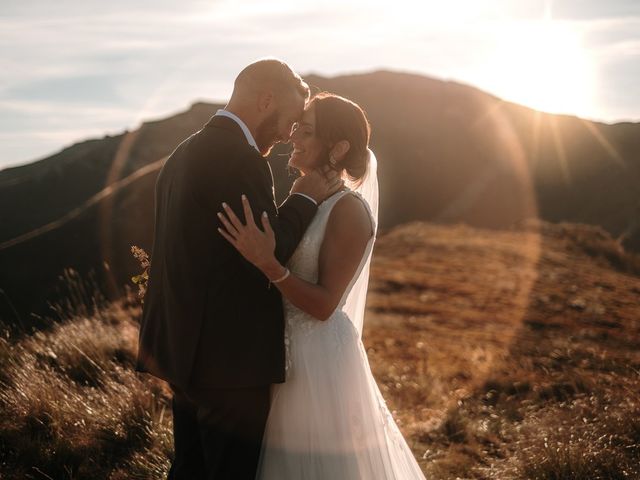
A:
[306,145]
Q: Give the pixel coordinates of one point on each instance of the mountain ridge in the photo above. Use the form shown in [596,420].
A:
[448,153]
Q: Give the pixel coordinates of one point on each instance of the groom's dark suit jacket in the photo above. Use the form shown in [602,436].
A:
[210,318]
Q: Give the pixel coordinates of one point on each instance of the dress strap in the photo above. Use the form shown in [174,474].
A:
[330,202]
[374,226]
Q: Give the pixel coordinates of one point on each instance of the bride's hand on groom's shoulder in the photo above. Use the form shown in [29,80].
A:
[255,244]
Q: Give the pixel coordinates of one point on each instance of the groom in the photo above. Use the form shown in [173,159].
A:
[211,325]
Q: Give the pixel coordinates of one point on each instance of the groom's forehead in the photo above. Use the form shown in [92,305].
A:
[294,102]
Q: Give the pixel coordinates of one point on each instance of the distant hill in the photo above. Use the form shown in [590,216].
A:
[447,153]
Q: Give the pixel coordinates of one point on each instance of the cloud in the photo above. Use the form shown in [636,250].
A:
[74,89]
[114,64]
[594,9]
[80,9]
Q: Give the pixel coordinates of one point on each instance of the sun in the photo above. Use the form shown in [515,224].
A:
[542,65]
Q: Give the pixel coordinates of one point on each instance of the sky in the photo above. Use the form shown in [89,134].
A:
[79,69]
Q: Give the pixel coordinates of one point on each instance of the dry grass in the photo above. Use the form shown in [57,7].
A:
[510,354]
[71,406]
[503,355]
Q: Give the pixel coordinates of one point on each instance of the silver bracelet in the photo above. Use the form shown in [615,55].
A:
[287,272]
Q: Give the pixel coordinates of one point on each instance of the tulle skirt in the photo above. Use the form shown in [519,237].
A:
[328,421]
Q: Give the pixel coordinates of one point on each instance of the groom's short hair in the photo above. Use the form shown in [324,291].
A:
[271,73]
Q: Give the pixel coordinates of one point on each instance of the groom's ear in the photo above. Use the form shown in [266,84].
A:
[340,149]
[265,101]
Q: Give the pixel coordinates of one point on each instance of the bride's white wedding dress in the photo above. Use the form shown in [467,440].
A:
[328,421]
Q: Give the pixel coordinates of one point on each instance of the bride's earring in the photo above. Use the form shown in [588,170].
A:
[332,161]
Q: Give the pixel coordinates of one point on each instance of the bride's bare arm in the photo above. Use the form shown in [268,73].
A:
[347,233]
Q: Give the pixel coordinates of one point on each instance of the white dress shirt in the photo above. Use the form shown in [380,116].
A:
[250,140]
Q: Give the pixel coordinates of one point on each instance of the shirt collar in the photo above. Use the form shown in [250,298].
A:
[250,140]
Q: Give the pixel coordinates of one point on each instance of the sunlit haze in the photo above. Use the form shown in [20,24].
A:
[74,70]
[545,66]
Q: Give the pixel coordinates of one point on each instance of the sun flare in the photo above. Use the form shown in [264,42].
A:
[544,66]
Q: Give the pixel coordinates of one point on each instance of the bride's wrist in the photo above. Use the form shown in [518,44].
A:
[273,269]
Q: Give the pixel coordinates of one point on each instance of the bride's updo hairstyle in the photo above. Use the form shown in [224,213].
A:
[337,119]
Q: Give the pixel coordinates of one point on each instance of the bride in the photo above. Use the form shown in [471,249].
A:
[328,420]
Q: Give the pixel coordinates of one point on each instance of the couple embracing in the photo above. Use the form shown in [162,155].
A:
[254,312]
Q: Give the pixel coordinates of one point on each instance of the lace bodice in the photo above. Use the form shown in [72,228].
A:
[304,264]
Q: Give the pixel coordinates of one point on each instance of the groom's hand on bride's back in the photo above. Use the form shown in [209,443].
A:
[319,184]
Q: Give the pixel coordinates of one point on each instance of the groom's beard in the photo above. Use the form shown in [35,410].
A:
[266,133]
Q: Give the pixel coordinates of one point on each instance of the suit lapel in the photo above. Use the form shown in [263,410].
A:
[226,123]
[273,188]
